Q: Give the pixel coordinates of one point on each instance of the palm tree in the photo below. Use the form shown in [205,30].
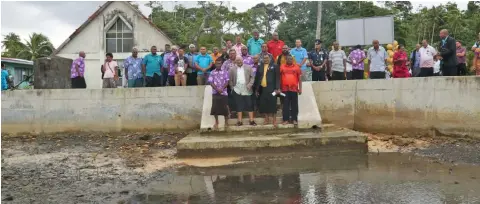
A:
[455,21]
[319,20]
[12,45]
[36,47]
[435,16]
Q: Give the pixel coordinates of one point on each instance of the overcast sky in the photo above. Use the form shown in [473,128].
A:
[58,19]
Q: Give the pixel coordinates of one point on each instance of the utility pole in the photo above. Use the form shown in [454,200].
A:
[319,20]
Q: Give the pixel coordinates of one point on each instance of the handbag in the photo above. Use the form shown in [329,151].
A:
[101,70]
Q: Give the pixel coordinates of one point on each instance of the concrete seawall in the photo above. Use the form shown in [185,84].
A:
[446,105]
[449,105]
[57,110]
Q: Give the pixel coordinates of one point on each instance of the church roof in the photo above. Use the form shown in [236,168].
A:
[98,12]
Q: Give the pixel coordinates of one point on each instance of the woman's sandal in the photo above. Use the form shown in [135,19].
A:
[239,123]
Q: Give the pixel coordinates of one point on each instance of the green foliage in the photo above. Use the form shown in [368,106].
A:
[12,45]
[37,46]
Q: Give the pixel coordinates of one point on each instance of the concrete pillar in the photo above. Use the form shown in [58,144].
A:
[52,73]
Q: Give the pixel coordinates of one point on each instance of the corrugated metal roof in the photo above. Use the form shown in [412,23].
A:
[17,61]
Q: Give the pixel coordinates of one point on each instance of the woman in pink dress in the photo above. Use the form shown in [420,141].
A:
[400,61]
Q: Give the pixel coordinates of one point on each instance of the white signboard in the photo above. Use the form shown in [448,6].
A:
[362,31]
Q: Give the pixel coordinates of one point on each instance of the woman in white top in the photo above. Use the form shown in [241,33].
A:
[436,66]
[110,68]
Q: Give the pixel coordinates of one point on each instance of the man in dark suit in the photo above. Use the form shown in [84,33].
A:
[448,54]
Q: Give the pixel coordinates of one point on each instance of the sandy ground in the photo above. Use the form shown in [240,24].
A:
[109,168]
[442,148]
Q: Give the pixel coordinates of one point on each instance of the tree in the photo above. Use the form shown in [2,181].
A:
[319,20]
[12,45]
[270,14]
[36,47]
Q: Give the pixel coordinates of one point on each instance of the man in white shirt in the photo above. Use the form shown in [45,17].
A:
[110,68]
[241,79]
[427,53]
[338,62]
[377,58]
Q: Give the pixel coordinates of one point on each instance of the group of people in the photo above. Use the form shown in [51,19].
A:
[240,87]
[425,60]
[248,78]
[179,67]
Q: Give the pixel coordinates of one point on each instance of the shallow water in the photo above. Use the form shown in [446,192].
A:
[313,178]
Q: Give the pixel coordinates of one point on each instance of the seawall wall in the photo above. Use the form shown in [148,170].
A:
[447,105]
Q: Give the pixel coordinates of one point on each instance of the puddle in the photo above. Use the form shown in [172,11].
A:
[311,178]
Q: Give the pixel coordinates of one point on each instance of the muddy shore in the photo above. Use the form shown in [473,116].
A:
[109,168]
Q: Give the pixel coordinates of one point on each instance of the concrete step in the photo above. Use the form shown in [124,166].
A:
[196,142]
[258,120]
[247,129]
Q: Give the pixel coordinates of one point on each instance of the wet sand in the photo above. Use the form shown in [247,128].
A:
[120,168]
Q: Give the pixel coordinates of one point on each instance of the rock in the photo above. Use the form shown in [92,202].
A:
[456,182]
[145,137]
[7,198]
[134,165]
[386,137]
[402,141]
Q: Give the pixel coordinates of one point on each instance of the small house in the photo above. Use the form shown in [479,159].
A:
[21,70]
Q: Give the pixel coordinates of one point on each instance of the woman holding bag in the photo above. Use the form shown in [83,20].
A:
[109,69]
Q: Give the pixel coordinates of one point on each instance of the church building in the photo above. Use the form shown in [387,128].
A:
[116,27]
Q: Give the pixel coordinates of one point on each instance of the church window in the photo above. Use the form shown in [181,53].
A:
[119,37]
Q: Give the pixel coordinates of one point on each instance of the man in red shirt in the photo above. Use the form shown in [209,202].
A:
[291,86]
[275,46]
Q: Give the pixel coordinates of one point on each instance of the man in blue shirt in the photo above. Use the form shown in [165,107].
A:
[415,61]
[301,57]
[152,68]
[165,69]
[4,78]
[254,44]
[133,68]
[203,62]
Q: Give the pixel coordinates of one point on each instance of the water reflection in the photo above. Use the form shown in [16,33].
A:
[388,178]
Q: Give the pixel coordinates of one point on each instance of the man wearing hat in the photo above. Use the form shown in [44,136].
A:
[318,61]
[191,70]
